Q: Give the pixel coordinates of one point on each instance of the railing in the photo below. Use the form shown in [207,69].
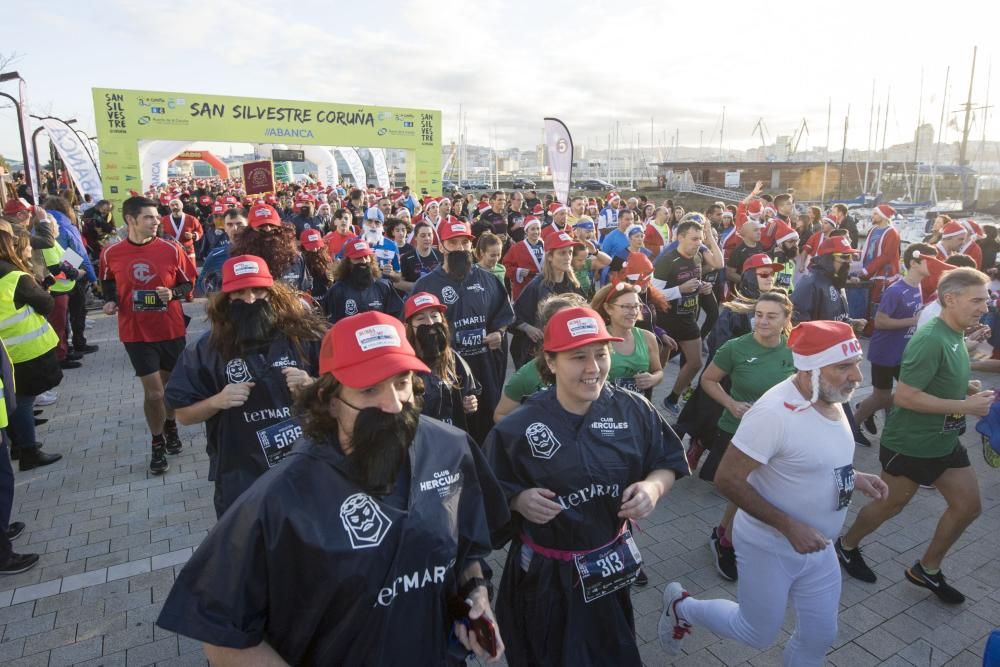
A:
[709,191]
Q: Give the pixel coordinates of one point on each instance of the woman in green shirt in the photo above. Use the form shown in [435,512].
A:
[635,360]
[754,363]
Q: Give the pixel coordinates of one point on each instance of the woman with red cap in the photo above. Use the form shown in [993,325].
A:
[358,286]
[317,260]
[366,542]
[449,388]
[576,463]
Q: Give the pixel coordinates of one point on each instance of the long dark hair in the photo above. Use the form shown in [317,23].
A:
[278,254]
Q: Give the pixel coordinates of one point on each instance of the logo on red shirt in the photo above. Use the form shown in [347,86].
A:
[142,272]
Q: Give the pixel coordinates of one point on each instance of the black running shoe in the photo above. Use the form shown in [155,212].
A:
[869,423]
[86,349]
[158,463]
[935,583]
[18,563]
[724,557]
[854,564]
[174,444]
[642,579]
[14,530]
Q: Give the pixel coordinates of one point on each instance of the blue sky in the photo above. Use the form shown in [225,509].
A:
[511,63]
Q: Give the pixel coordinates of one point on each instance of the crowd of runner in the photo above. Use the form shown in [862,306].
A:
[435,378]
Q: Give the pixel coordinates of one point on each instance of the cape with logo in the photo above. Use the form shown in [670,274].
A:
[344,299]
[329,575]
[238,442]
[588,464]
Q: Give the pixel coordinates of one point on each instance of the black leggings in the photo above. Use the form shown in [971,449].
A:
[710,305]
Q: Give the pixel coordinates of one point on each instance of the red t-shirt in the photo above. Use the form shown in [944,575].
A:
[335,241]
[137,271]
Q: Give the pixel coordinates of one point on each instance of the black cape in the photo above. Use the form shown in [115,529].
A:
[344,299]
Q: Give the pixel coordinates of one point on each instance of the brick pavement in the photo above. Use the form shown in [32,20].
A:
[112,538]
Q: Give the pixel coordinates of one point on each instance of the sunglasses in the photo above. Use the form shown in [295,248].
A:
[843,255]
[765,274]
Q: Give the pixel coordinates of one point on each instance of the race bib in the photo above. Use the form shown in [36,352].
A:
[954,423]
[783,279]
[610,568]
[844,478]
[467,340]
[276,441]
[147,300]
[627,383]
[689,304]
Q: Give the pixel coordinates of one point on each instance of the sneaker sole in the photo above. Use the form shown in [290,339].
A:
[159,472]
[715,560]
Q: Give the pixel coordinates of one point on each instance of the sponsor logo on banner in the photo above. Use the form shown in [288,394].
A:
[542,440]
[237,372]
[366,524]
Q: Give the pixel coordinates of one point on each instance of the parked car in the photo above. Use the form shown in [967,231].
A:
[475,185]
[523,184]
[447,187]
[594,184]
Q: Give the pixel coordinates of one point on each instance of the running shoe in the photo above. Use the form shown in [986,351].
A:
[642,579]
[158,463]
[990,455]
[14,530]
[935,583]
[869,423]
[673,409]
[173,440]
[693,454]
[687,394]
[854,563]
[18,563]
[671,630]
[724,557]
[46,398]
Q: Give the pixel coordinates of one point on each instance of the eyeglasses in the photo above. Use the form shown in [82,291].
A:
[764,274]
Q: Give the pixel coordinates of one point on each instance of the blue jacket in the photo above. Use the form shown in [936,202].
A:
[210,276]
[816,297]
[69,237]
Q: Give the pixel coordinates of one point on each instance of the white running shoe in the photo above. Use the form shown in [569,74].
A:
[46,398]
[671,630]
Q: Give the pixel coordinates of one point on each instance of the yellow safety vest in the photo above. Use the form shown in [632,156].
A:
[52,256]
[26,334]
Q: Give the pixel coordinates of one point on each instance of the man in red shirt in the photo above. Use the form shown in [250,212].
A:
[181,227]
[143,277]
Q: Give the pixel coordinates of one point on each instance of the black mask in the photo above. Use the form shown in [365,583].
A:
[253,323]
[459,264]
[432,340]
[380,442]
[361,275]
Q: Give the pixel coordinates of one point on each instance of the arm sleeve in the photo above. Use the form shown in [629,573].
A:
[30,293]
[803,303]
[724,358]
[759,434]
[109,288]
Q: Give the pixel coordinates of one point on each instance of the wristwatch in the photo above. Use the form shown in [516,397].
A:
[472,584]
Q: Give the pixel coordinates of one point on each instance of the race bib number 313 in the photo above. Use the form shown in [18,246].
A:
[609,568]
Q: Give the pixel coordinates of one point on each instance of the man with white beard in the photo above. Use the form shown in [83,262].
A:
[790,472]
[386,251]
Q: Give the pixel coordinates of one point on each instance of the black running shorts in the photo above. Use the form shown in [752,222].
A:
[148,358]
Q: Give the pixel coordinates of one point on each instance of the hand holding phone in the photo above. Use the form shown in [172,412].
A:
[481,631]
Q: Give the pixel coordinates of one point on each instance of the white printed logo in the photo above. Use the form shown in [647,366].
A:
[237,372]
[421,300]
[582,326]
[751,360]
[449,295]
[834,294]
[542,440]
[364,522]
[351,307]
[376,336]
[142,272]
[241,268]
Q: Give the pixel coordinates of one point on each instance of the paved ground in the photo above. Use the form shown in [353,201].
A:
[113,538]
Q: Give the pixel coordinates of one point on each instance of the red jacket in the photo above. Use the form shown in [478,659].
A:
[885,263]
[521,267]
[189,224]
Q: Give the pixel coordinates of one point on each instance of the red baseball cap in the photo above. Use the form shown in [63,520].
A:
[454,230]
[357,248]
[263,214]
[761,261]
[219,209]
[365,349]
[836,244]
[571,328]
[311,239]
[559,240]
[15,206]
[245,271]
[205,200]
[422,301]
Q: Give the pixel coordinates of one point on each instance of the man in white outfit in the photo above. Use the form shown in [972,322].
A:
[790,473]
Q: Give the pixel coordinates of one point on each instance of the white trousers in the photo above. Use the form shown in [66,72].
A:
[772,573]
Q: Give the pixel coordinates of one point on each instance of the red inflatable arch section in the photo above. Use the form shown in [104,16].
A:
[205,156]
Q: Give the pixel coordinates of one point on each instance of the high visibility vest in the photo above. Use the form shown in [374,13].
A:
[52,256]
[26,334]
[3,405]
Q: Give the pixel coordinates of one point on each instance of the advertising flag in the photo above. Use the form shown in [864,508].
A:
[75,157]
[31,162]
[560,145]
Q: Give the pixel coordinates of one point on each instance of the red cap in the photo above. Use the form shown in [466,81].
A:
[245,271]
[571,328]
[270,199]
[421,301]
[559,240]
[365,349]
[357,248]
[452,230]
[15,206]
[836,244]
[311,239]
[219,209]
[263,214]
[205,200]
[761,260]
[953,229]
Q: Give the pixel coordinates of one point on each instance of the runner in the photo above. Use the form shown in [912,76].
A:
[920,441]
[142,279]
[744,245]
[678,274]
[277,244]
[449,388]
[182,227]
[350,551]
[317,261]
[424,258]
[241,375]
[790,472]
[358,286]
[576,463]
[210,278]
[480,313]
[523,260]
[635,360]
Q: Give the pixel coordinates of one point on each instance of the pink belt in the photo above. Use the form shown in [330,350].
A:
[560,554]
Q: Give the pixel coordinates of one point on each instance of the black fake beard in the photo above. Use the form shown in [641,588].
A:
[379,445]
[361,276]
[840,276]
[253,323]
[432,341]
[459,263]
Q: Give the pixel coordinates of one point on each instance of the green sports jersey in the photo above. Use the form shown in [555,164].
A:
[936,362]
[523,383]
[752,369]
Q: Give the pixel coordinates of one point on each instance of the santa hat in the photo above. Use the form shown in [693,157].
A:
[830,221]
[972,227]
[755,207]
[637,269]
[482,207]
[430,201]
[936,268]
[783,232]
[556,207]
[537,210]
[531,220]
[953,229]
[611,197]
[768,212]
[885,211]
[822,343]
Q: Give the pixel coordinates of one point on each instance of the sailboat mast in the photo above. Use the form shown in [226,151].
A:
[843,154]
[826,150]
[885,127]
[868,150]
[962,162]
[937,146]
